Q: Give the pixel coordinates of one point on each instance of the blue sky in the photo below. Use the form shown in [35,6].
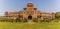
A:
[16,5]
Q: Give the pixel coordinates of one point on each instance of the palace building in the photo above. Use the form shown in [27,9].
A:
[29,12]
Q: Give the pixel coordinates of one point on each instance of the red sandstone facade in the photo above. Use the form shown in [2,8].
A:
[29,12]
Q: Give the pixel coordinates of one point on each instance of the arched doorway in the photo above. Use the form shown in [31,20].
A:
[30,17]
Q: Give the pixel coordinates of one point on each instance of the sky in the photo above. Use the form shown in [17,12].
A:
[17,5]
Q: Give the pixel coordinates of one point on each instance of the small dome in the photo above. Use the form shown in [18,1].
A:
[29,4]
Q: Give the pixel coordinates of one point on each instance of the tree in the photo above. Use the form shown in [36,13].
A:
[57,15]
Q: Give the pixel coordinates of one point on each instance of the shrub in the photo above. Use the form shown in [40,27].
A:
[47,20]
[41,20]
[1,19]
[8,19]
[17,20]
[35,20]
[25,20]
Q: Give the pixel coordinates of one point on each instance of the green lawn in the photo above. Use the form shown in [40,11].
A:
[28,25]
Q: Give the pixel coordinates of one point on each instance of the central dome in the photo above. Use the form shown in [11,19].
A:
[30,4]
